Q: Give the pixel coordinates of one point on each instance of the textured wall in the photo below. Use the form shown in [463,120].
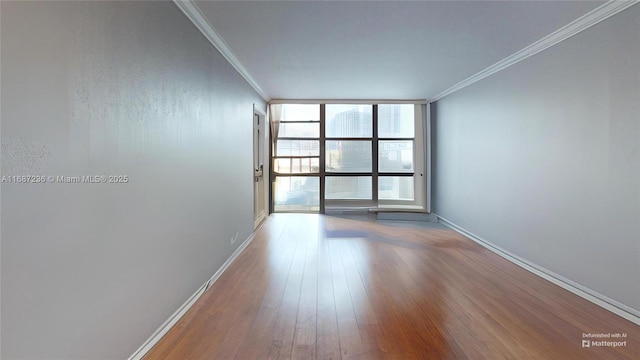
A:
[543,158]
[114,88]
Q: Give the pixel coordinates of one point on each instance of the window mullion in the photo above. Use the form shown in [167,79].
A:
[323,155]
[374,157]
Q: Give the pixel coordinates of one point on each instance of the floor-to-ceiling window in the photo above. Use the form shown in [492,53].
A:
[346,156]
[295,130]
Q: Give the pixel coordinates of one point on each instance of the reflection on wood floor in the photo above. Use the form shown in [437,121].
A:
[314,286]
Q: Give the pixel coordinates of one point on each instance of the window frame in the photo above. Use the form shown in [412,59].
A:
[420,181]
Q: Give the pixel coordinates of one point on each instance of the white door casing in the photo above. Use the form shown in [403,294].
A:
[259,169]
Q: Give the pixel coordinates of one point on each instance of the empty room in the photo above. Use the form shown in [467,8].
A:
[197,179]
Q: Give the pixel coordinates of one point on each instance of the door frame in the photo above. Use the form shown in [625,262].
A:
[260,169]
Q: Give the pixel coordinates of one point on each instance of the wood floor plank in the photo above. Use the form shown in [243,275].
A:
[313,286]
[256,343]
[285,322]
[364,313]
[362,306]
[327,338]
[350,342]
[395,339]
[304,341]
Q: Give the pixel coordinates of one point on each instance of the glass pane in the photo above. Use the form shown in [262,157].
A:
[348,187]
[310,130]
[348,156]
[300,112]
[296,165]
[395,188]
[396,121]
[395,156]
[296,193]
[349,120]
[298,148]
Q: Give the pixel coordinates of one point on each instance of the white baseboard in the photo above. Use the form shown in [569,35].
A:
[178,314]
[584,292]
[233,256]
[168,324]
[258,220]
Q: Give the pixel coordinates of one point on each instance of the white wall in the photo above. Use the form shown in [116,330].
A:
[543,158]
[114,88]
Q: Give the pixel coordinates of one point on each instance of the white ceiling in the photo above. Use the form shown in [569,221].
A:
[378,50]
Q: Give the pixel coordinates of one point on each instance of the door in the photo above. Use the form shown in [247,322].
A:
[259,191]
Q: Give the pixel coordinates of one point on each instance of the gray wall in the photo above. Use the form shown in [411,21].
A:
[543,158]
[115,88]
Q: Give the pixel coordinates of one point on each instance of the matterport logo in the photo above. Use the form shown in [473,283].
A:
[590,340]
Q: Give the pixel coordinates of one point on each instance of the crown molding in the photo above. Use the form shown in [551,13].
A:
[582,23]
[191,10]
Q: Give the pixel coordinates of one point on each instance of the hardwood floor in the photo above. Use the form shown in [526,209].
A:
[313,286]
